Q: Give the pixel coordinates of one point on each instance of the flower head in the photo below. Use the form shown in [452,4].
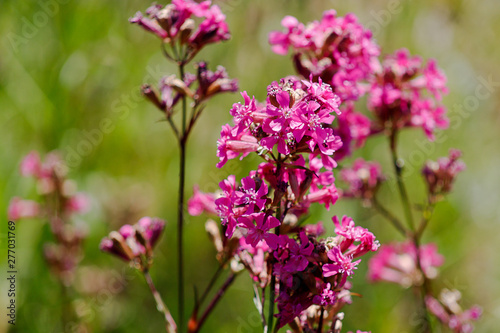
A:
[440,175]
[336,49]
[397,263]
[363,178]
[449,312]
[405,93]
[134,243]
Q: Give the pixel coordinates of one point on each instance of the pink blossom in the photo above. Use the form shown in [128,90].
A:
[21,209]
[251,194]
[176,22]
[397,263]
[31,165]
[336,49]
[229,146]
[342,264]
[201,203]
[440,175]
[363,179]
[450,313]
[404,93]
[134,242]
[260,230]
[79,203]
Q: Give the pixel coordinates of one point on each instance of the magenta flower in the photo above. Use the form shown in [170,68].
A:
[229,146]
[201,203]
[342,264]
[440,175]
[210,83]
[404,93]
[134,242]
[396,263]
[336,49]
[254,259]
[326,297]
[296,119]
[176,22]
[260,230]
[363,178]
[251,195]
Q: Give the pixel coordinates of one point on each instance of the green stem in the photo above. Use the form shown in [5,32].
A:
[399,178]
[391,218]
[170,325]
[215,300]
[424,325]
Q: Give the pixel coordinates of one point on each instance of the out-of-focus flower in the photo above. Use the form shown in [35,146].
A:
[405,93]
[79,203]
[449,312]
[135,243]
[201,203]
[440,175]
[363,178]
[21,209]
[397,263]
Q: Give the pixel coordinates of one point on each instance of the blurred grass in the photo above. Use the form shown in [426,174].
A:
[84,65]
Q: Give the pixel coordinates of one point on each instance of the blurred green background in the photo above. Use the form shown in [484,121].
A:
[66,66]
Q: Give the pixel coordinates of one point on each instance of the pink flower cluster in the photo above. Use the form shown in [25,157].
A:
[200,87]
[336,49]
[449,312]
[135,243]
[397,263]
[440,175]
[313,271]
[60,202]
[363,178]
[295,119]
[407,93]
[241,206]
[51,180]
[176,22]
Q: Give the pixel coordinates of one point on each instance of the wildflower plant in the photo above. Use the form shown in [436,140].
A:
[305,130]
[58,204]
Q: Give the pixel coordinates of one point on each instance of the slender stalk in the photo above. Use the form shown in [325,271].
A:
[401,186]
[170,325]
[210,284]
[391,218]
[423,325]
[215,300]
[320,324]
[180,208]
[426,217]
[272,286]
[67,309]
